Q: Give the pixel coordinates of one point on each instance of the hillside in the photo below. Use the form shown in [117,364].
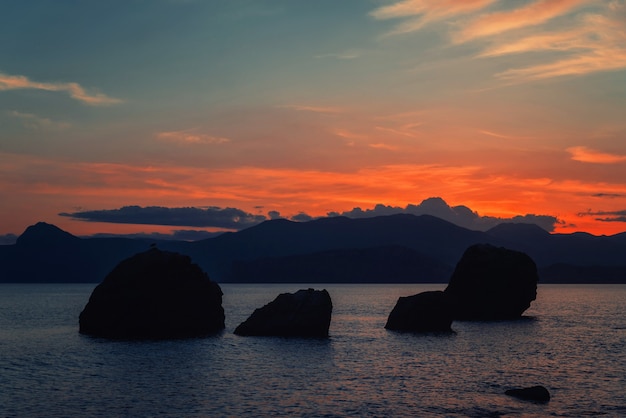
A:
[396,248]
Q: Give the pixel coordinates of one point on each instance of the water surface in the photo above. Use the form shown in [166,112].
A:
[572,341]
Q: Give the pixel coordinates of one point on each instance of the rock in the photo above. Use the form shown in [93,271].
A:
[491,283]
[306,313]
[154,294]
[423,312]
[533,393]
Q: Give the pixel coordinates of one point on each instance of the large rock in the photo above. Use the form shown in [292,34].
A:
[491,283]
[306,313]
[154,294]
[423,312]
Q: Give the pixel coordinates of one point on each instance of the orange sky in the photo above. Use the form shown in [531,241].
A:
[508,108]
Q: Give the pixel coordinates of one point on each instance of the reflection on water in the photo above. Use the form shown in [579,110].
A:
[572,342]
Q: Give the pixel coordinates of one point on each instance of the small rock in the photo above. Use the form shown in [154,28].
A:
[306,313]
[423,312]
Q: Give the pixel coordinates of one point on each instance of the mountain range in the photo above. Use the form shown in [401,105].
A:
[400,248]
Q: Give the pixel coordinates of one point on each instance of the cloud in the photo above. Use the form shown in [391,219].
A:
[346,55]
[314,109]
[610,216]
[8,239]
[190,137]
[617,219]
[427,11]
[237,219]
[502,136]
[608,195]
[591,35]
[32,121]
[587,155]
[458,215]
[301,217]
[531,14]
[596,42]
[382,145]
[75,90]
[229,218]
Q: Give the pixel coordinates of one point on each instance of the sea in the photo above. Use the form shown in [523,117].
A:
[572,340]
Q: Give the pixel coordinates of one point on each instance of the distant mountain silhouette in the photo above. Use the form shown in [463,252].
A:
[394,264]
[395,248]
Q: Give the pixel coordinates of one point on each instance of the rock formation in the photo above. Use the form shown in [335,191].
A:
[423,312]
[154,294]
[306,313]
[491,283]
[533,393]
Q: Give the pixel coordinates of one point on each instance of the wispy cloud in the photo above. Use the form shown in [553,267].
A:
[382,145]
[314,109]
[590,35]
[32,121]
[345,55]
[609,216]
[599,44]
[404,132]
[587,155]
[191,137]
[502,136]
[418,13]
[532,14]
[75,90]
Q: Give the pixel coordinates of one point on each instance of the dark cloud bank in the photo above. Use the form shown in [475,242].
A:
[237,219]
[8,239]
[227,218]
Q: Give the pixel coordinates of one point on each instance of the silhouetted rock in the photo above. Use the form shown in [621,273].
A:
[533,393]
[492,283]
[306,313]
[423,312]
[154,294]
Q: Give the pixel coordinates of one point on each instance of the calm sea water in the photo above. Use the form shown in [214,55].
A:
[573,342]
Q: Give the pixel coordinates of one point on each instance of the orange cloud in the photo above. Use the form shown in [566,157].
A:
[598,45]
[587,155]
[190,137]
[529,15]
[75,90]
[428,10]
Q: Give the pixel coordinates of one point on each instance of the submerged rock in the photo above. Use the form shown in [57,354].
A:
[423,312]
[154,294]
[491,283]
[533,393]
[306,313]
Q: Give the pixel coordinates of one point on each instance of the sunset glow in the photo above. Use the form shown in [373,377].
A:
[286,108]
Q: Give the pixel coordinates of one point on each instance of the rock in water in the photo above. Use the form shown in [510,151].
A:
[423,312]
[491,283]
[154,294]
[533,393]
[306,313]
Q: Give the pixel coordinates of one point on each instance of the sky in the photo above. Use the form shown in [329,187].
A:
[188,116]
